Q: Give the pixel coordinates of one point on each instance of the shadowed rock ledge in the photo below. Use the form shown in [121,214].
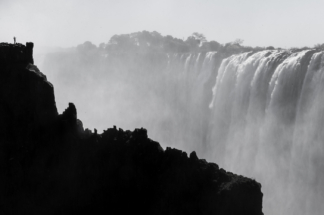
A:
[50,165]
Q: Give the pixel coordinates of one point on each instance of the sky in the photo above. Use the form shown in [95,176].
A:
[67,23]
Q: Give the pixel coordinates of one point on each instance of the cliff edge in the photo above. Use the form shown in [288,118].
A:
[50,165]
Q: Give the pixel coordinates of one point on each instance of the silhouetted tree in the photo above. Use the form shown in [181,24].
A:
[102,46]
[319,46]
[199,37]
[210,46]
[122,42]
[238,42]
[193,43]
[86,46]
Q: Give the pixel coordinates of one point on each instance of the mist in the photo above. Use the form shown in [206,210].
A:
[134,89]
[253,111]
[256,110]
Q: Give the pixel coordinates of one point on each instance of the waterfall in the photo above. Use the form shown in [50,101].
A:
[256,114]
[267,119]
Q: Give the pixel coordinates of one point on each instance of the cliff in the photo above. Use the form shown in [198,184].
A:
[50,165]
[16,53]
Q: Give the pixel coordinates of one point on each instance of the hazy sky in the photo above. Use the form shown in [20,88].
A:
[65,23]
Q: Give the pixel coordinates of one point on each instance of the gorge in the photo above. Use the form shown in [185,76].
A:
[50,164]
[254,112]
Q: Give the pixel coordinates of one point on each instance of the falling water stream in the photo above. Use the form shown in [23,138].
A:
[256,114]
[268,116]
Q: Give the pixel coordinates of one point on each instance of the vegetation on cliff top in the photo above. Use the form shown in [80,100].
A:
[155,42]
[149,42]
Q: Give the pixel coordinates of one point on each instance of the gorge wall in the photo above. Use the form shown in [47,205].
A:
[257,113]
[50,164]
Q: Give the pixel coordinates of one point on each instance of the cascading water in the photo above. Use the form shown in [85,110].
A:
[268,114]
[257,114]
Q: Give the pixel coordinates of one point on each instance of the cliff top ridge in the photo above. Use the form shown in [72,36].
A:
[16,53]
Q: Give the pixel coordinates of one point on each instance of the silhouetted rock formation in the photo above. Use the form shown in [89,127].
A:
[16,53]
[50,165]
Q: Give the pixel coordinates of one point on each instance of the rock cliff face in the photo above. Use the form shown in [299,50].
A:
[16,53]
[50,165]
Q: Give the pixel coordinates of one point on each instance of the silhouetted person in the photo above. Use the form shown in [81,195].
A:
[14,40]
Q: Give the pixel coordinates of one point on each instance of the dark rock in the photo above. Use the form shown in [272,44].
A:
[70,113]
[193,156]
[50,165]
[16,54]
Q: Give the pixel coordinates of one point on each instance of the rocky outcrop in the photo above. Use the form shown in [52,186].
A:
[27,106]
[16,53]
[50,165]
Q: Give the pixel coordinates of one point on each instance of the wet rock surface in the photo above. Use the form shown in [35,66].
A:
[50,165]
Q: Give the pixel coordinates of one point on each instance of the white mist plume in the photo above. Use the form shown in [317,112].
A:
[260,114]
